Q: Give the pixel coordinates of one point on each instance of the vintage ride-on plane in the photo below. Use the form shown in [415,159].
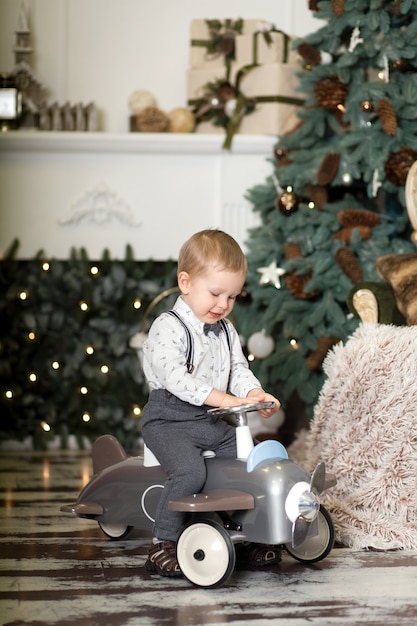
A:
[261,496]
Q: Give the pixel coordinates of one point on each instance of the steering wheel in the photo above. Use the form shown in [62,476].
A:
[244,440]
[241,408]
[239,411]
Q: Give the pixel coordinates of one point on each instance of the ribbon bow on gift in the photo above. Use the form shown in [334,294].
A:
[222,39]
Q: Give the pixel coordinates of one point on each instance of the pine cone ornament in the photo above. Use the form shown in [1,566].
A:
[309,53]
[349,264]
[316,358]
[386,114]
[345,234]
[282,157]
[328,169]
[338,7]
[152,120]
[292,251]
[330,93]
[318,194]
[296,284]
[358,217]
[398,165]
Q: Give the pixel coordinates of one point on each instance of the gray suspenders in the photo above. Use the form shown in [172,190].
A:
[190,343]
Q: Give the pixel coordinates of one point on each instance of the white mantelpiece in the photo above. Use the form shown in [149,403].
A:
[100,190]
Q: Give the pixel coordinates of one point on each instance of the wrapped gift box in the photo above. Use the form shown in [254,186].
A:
[270,83]
[256,48]
[200,39]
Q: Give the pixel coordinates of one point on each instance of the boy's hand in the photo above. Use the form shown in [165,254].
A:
[224,400]
[258,395]
[230,400]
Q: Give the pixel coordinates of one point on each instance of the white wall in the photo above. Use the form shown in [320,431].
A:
[103,50]
[171,185]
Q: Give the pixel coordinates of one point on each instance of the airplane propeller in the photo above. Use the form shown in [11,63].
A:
[302,504]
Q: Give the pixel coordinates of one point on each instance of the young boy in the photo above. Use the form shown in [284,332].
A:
[175,425]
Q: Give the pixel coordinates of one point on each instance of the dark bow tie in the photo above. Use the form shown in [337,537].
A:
[214,328]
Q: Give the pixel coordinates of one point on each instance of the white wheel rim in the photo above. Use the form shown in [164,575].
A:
[203,554]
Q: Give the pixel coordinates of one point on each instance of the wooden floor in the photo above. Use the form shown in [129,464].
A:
[60,570]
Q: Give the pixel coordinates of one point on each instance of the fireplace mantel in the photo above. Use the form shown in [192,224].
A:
[99,191]
[149,143]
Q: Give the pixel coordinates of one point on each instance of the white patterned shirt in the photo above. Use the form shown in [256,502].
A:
[215,365]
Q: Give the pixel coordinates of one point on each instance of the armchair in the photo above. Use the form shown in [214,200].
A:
[365,421]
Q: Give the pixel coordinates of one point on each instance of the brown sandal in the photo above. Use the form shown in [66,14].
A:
[162,558]
[258,554]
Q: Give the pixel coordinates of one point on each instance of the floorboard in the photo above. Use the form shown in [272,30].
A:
[61,570]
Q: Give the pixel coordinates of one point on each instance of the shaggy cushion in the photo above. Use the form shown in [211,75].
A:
[365,429]
[400,270]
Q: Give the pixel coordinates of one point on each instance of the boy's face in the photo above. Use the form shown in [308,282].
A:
[211,296]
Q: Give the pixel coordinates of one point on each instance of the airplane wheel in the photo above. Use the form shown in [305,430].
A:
[115,531]
[315,548]
[206,554]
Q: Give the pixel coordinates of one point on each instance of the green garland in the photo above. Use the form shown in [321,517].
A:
[65,328]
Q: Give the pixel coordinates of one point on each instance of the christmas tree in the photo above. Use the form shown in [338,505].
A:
[335,201]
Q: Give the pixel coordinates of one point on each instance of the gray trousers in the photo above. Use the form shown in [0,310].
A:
[177,432]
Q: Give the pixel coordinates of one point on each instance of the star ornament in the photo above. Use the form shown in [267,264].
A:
[271,275]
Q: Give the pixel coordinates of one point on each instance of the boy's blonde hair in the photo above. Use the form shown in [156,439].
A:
[213,248]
